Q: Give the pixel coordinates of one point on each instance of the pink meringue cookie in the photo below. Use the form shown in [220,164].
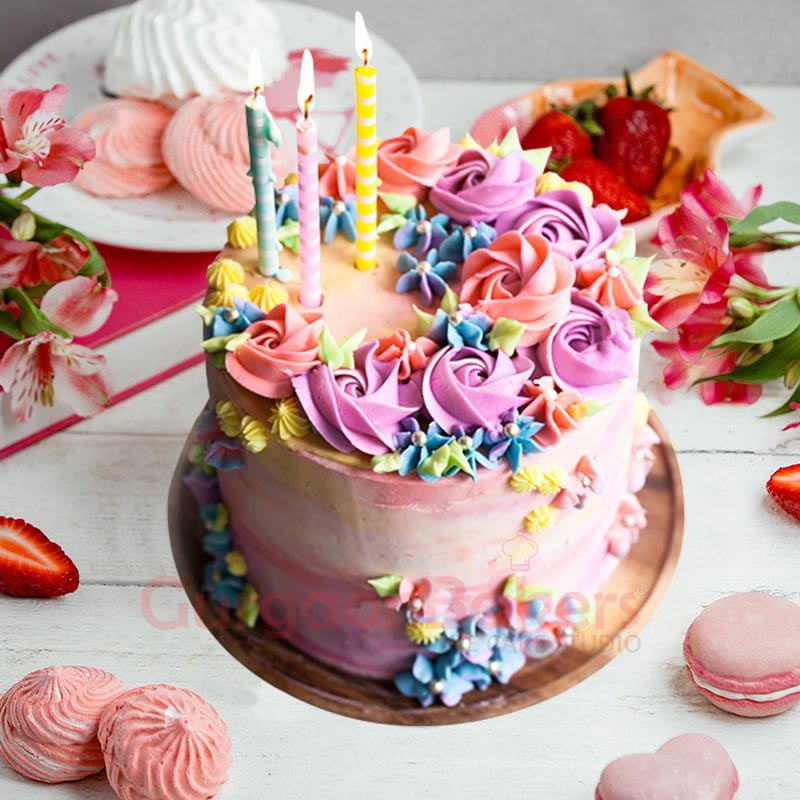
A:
[48,722]
[205,147]
[127,135]
[160,742]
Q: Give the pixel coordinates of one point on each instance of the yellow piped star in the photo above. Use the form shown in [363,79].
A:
[552,182]
[287,420]
[254,434]
[423,633]
[228,418]
[242,232]
[237,564]
[526,479]
[224,272]
[227,294]
[552,481]
[540,519]
[269,294]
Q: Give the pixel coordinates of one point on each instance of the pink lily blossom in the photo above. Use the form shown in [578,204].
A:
[32,263]
[80,305]
[35,143]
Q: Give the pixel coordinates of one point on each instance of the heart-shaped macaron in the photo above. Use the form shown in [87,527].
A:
[688,767]
[743,654]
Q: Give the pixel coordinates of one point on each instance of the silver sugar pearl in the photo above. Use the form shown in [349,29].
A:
[613,272]
[470,231]
[230,314]
[436,686]
[415,604]
[339,208]
[467,442]
[511,430]
[284,199]
[423,226]
[495,667]
[456,317]
[424,268]
[464,643]
[550,395]
[586,481]
[629,521]
[419,438]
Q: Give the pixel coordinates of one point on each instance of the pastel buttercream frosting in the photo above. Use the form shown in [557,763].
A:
[161,742]
[49,722]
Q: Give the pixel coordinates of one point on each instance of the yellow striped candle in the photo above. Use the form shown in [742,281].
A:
[366,151]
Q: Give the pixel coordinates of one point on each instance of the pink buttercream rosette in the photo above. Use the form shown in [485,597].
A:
[550,407]
[282,346]
[519,277]
[49,719]
[412,354]
[160,742]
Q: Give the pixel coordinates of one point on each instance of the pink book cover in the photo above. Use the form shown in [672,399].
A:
[152,334]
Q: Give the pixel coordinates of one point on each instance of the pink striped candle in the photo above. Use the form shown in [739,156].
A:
[308,189]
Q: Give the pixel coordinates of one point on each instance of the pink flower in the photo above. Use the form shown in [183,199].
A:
[80,305]
[337,178]
[710,197]
[413,354]
[519,277]
[609,284]
[551,408]
[35,143]
[32,263]
[47,366]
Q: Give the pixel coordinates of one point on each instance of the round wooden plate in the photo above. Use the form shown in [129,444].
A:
[629,598]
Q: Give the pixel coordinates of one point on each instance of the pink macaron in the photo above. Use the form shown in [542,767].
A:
[688,767]
[743,654]
[128,162]
[161,742]
[48,722]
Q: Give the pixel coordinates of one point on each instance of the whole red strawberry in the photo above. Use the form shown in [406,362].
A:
[606,187]
[567,131]
[636,133]
[31,565]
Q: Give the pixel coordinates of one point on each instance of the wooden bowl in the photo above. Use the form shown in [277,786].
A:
[706,110]
[633,593]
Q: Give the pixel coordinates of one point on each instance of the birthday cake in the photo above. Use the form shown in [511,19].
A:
[426,478]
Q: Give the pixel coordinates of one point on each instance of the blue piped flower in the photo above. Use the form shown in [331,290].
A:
[471,640]
[506,660]
[465,239]
[286,206]
[225,454]
[429,679]
[338,216]
[217,543]
[227,321]
[416,445]
[471,444]
[429,275]
[223,588]
[514,439]
[461,328]
[420,232]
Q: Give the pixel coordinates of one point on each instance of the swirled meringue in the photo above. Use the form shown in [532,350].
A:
[48,722]
[128,162]
[161,742]
[176,49]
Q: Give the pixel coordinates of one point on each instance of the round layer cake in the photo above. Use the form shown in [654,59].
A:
[428,478]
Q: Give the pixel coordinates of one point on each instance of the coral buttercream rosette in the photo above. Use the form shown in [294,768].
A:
[575,230]
[520,278]
[359,408]
[49,720]
[161,742]
[480,186]
[281,346]
[590,350]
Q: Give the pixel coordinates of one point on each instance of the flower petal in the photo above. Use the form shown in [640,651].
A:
[79,305]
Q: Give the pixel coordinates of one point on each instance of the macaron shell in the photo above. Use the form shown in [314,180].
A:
[688,767]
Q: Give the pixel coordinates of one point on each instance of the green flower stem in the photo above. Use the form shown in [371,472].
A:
[27,194]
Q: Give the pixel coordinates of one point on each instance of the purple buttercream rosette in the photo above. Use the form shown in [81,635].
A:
[480,186]
[360,408]
[469,388]
[575,230]
[590,350]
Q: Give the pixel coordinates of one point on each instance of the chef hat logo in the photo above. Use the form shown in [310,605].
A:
[519,551]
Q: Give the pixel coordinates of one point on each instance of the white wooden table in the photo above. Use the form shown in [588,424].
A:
[100,490]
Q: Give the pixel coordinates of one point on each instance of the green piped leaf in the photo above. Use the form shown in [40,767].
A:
[221,344]
[641,321]
[386,585]
[289,235]
[505,335]
[424,321]
[206,314]
[625,248]
[339,355]
[398,203]
[390,222]
[444,459]
[386,462]
[248,609]
[449,302]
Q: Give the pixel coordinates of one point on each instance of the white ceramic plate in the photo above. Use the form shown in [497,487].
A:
[173,220]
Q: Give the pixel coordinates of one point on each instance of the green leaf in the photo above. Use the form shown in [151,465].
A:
[641,321]
[31,318]
[386,585]
[449,302]
[390,222]
[222,344]
[505,335]
[289,235]
[338,355]
[9,326]
[625,247]
[762,215]
[398,203]
[424,321]
[206,314]
[775,323]
[786,407]
[386,462]
[436,463]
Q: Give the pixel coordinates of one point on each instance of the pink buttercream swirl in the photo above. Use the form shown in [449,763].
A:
[48,722]
[337,177]
[281,346]
[575,230]
[642,457]
[360,408]
[590,350]
[480,186]
[550,407]
[413,354]
[412,162]
[610,284]
[161,742]
[519,277]
[470,388]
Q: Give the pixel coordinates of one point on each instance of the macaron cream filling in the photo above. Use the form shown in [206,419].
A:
[756,697]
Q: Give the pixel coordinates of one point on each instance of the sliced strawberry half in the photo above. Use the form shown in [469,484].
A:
[31,565]
[784,488]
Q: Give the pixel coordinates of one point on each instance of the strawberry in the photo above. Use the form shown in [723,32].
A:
[31,565]
[636,132]
[567,131]
[606,187]
[784,488]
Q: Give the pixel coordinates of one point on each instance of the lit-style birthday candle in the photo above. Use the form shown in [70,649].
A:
[261,131]
[308,188]
[366,151]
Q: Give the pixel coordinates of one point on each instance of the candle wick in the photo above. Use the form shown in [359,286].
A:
[365,53]
[307,105]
